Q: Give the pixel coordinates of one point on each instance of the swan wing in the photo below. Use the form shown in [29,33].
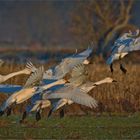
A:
[134,46]
[78,75]
[30,66]
[74,94]
[78,70]
[86,52]
[35,77]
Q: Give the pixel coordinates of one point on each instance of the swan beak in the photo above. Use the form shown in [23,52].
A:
[86,62]
[95,85]
[114,81]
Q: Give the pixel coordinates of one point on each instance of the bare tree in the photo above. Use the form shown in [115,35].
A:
[101,22]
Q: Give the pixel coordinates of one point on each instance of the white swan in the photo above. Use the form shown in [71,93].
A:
[25,93]
[66,65]
[70,94]
[61,70]
[28,90]
[76,90]
[67,78]
[61,103]
[125,44]
[38,106]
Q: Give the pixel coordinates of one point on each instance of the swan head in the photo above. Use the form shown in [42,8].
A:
[86,62]
[134,34]
[109,80]
[49,73]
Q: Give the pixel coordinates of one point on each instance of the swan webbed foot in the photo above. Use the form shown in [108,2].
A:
[50,113]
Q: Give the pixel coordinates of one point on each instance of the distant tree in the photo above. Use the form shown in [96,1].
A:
[100,22]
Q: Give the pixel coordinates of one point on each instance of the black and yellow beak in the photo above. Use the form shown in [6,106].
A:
[114,81]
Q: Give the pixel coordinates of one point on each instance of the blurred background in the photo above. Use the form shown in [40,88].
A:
[39,29]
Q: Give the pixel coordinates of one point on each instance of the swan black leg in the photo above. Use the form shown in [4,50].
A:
[9,110]
[38,116]
[62,113]
[50,113]
[122,68]
[1,113]
[24,115]
[111,68]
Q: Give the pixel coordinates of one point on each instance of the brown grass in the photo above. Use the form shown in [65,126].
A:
[123,96]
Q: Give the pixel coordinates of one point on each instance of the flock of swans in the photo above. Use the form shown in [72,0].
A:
[67,83]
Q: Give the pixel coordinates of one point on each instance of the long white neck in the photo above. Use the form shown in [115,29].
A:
[100,82]
[59,82]
[6,77]
[89,86]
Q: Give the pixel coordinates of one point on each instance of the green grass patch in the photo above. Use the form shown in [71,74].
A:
[72,127]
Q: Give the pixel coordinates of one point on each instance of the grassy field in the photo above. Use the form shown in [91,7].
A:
[72,127]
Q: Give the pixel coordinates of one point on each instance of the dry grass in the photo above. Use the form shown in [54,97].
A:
[123,96]
[8,68]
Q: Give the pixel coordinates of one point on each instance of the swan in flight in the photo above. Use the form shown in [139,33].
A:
[59,71]
[37,103]
[25,93]
[62,81]
[28,90]
[66,65]
[75,91]
[53,85]
[28,70]
[125,44]
[40,104]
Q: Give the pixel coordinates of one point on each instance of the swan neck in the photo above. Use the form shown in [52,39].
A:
[59,82]
[6,77]
[88,88]
[100,82]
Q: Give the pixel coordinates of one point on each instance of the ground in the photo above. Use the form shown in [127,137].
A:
[72,127]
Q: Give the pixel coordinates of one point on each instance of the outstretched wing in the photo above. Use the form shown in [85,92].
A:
[78,75]
[35,77]
[78,70]
[30,66]
[85,53]
[134,46]
[74,94]
[67,64]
